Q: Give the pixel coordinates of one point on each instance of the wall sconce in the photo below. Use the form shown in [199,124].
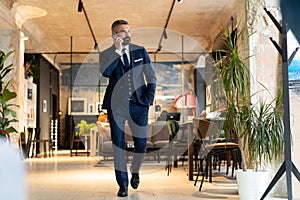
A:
[59,113]
[157,108]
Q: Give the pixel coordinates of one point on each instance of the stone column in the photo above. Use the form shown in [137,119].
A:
[265,66]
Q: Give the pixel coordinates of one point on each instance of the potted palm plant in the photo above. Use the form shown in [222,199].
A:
[7,114]
[258,127]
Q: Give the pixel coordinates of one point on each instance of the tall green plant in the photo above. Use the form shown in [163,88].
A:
[7,114]
[234,77]
[258,128]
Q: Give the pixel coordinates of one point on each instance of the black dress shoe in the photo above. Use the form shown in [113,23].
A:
[135,180]
[123,192]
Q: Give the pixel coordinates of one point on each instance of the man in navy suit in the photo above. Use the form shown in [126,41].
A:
[130,92]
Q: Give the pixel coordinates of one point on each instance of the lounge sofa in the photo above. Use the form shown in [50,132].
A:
[158,139]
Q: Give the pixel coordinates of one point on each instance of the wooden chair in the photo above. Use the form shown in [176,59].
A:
[34,141]
[205,128]
[176,146]
[22,145]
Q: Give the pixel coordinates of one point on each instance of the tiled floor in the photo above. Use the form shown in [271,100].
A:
[88,178]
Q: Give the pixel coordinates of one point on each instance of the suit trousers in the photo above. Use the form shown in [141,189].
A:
[137,117]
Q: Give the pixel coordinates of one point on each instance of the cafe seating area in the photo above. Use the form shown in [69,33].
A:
[201,148]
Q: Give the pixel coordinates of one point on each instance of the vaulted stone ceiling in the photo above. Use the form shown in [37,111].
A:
[56,27]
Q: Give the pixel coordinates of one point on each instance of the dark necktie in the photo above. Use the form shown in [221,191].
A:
[125,59]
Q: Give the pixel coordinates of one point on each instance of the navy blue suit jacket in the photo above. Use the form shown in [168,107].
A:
[143,75]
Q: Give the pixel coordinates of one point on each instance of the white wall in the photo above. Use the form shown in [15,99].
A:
[295,131]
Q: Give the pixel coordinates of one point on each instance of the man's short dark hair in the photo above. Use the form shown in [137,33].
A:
[116,24]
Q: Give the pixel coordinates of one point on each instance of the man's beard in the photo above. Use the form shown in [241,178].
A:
[126,40]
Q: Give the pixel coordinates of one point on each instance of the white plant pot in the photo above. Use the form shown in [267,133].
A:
[12,174]
[252,185]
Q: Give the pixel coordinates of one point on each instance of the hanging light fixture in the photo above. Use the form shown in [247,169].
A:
[164,33]
[80,9]
[80,6]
